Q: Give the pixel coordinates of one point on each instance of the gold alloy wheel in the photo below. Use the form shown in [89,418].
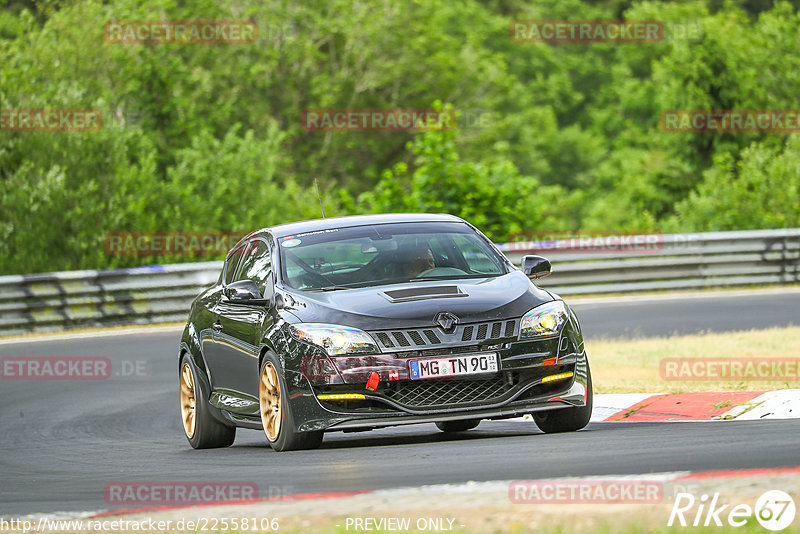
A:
[188,400]
[270,399]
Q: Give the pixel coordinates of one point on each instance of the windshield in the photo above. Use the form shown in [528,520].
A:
[386,254]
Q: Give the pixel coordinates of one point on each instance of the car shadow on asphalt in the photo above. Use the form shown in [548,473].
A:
[252,440]
[345,441]
[395,437]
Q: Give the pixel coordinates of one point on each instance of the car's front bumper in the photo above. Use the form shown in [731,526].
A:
[378,411]
[520,386]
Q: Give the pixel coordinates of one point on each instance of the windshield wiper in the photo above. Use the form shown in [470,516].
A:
[328,288]
[451,277]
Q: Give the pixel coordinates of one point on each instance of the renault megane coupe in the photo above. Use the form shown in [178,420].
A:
[362,322]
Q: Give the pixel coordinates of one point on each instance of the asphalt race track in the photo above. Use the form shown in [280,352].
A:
[61,442]
[661,315]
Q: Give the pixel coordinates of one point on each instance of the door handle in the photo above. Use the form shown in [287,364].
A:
[217,326]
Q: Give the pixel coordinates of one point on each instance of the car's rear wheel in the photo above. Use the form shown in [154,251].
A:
[201,428]
[276,411]
[458,426]
[567,419]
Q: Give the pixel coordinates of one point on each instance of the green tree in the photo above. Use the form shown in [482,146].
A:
[760,190]
[492,194]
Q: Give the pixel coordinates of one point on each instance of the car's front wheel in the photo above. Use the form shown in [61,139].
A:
[567,419]
[276,411]
[201,428]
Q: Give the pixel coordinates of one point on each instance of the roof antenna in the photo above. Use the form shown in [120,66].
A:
[320,198]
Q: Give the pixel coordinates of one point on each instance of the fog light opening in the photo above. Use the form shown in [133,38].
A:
[340,396]
[559,376]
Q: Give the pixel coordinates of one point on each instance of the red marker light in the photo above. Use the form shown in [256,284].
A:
[372,383]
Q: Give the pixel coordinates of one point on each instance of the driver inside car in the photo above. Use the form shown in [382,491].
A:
[415,260]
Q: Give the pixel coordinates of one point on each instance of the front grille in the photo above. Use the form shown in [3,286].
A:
[420,338]
[416,337]
[467,334]
[431,335]
[441,351]
[401,339]
[496,329]
[482,331]
[383,337]
[447,392]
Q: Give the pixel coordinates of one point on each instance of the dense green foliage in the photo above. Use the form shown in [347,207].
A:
[209,137]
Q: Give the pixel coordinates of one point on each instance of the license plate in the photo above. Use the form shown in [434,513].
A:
[471,364]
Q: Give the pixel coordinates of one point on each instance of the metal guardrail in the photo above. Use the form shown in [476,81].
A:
[669,261]
[142,295]
[162,293]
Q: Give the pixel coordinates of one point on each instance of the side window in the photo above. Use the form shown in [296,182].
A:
[257,264]
[231,263]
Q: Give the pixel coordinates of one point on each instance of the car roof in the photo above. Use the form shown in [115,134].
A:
[329,223]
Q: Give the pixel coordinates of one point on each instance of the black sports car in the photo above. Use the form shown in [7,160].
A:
[356,323]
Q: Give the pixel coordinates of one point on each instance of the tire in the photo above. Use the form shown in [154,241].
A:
[567,419]
[276,413]
[458,426]
[200,427]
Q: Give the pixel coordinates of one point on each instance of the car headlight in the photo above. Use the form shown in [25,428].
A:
[334,339]
[544,320]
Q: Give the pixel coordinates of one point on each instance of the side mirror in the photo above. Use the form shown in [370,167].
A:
[244,292]
[535,266]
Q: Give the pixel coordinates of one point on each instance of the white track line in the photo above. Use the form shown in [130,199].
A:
[578,301]
[89,335]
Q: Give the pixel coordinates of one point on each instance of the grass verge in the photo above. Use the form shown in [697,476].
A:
[633,366]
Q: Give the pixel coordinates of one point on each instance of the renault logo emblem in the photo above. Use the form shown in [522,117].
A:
[447,321]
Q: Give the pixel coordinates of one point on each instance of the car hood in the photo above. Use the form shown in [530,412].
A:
[415,304]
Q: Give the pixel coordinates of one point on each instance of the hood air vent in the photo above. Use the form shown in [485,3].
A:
[422,293]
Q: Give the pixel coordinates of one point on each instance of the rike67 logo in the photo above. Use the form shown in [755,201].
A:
[774,510]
